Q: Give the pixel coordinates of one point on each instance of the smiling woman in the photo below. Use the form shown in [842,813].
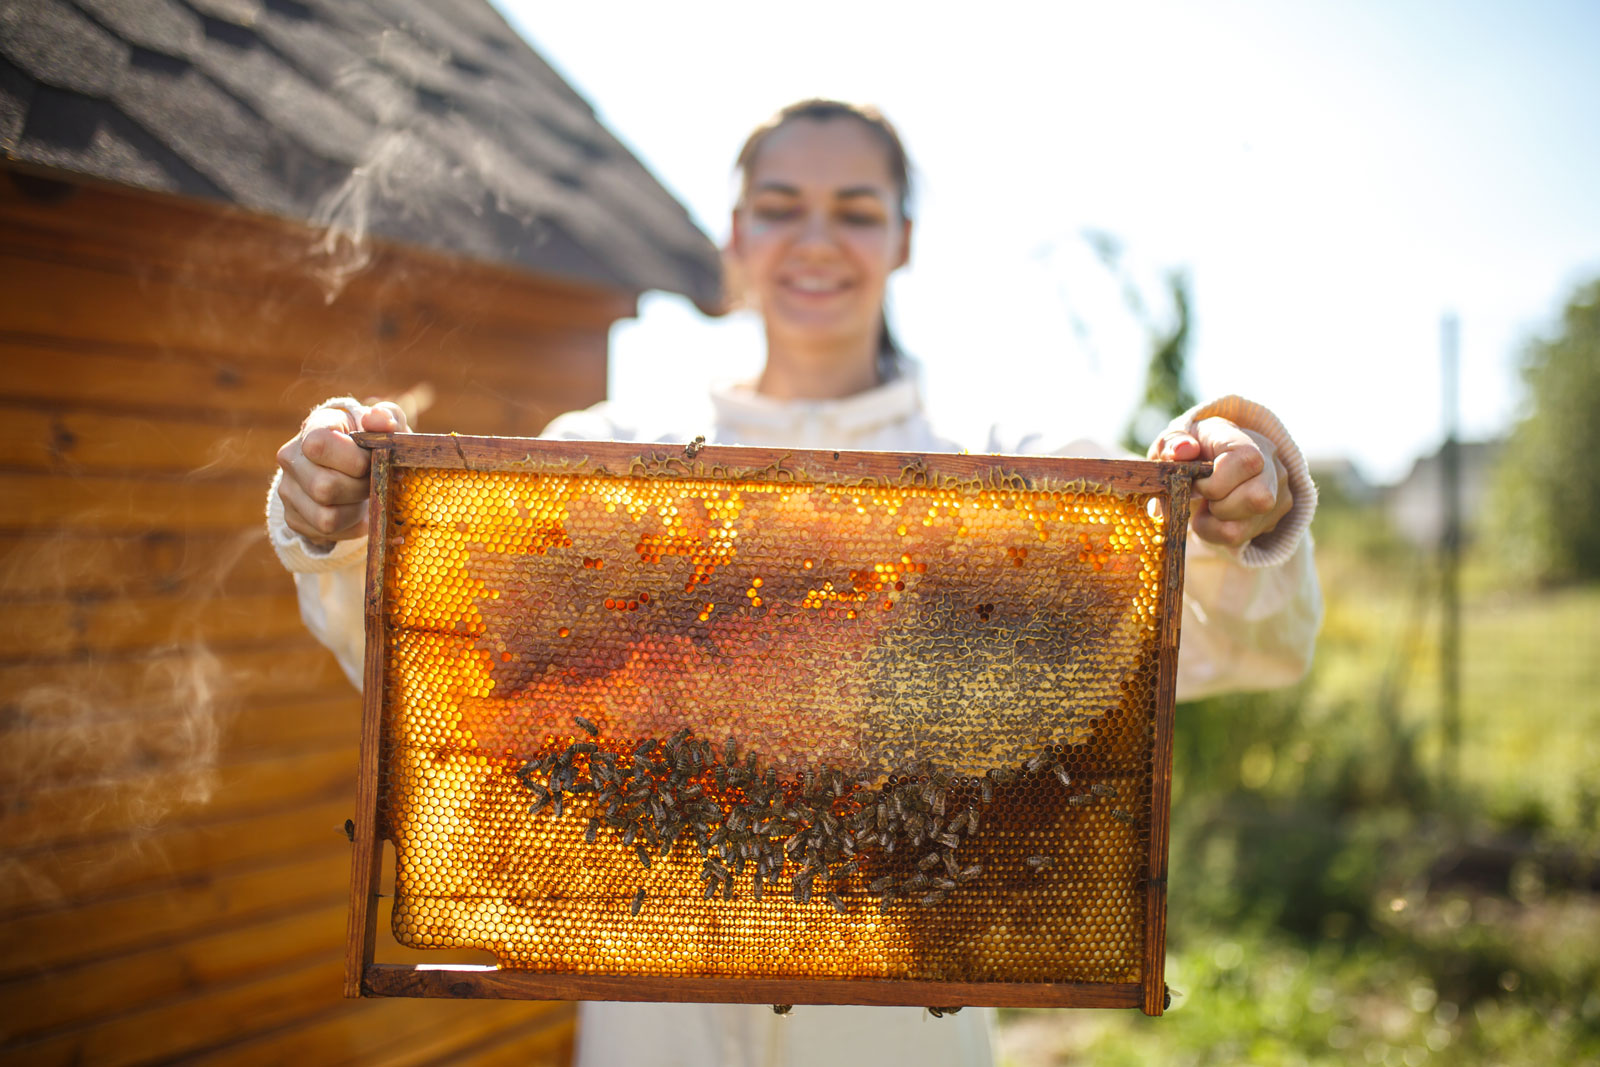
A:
[820,225]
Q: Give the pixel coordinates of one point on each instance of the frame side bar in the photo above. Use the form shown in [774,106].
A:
[367,858]
[412,980]
[1155,938]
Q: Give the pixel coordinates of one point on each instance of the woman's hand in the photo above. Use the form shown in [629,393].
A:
[326,475]
[1247,492]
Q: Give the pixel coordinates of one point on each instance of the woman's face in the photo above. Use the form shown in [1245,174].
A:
[819,230]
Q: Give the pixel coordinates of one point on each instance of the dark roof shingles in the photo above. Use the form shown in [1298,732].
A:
[423,120]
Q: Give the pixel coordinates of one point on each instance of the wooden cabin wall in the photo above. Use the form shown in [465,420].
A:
[179,755]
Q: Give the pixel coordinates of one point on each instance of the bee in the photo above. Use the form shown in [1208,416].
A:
[644,856]
[940,1013]
[629,835]
[588,727]
[950,865]
[1040,863]
[782,1009]
[691,450]
[938,896]
[1035,764]
[986,788]
[917,881]
[928,862]
[1003,775]
[948,840]
[594,828]
[878,885]
[972,821]
[838,905]
[350,829]
[944,883]
[969,873]
[1103,789]
[755,886]
[638,902]
[1061,773]
[1122,816]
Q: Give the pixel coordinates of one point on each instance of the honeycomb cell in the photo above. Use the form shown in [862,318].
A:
[713,727]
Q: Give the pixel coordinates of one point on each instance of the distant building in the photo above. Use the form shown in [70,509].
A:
[1340,475]
[1415,505]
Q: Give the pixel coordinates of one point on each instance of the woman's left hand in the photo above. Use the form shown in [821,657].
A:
[1247,492]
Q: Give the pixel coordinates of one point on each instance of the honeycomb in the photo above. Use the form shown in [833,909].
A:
[707,726]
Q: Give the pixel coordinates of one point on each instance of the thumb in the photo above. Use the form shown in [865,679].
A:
[1175,446]
[385,417]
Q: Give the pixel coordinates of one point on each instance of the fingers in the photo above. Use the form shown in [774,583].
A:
[1236,457]
[318,521]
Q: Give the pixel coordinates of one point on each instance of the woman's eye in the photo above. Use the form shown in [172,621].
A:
[775,214]
[861,220]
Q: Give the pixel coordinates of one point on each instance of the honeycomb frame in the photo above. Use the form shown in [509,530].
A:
[897,637]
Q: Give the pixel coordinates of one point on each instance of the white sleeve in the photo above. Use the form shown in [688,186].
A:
[330,584]
[1250,619]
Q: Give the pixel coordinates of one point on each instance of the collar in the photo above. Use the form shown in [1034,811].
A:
[749,414]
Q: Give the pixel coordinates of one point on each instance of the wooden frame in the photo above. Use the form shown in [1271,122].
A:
[1167,482]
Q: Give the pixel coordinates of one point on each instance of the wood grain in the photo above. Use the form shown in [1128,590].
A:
[404,980]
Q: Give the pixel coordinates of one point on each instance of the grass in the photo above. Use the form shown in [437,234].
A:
[1343,891]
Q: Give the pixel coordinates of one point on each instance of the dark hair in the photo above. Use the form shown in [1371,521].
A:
[890,356]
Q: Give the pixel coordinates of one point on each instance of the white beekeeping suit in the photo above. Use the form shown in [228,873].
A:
[1250,622]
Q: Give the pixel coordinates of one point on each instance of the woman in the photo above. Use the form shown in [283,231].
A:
[820,225]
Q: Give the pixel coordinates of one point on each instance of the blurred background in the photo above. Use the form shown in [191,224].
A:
[1377,219]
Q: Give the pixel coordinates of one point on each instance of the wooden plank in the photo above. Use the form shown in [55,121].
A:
[215,1015]
[58,876]
[123,377]
[128,623]
[228,245]
[173,793]
[394,1033]
[68,689]
[123,504]
[35,565]
[274,319]
[39,1003]
[407,980]
[101,747]
[365,862]
[78,441]
[991,472]
[116,374]
[548,1046]
[66,936]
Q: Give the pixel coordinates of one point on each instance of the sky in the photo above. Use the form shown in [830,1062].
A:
[1334,177]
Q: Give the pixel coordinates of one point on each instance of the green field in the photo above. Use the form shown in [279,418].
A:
[1345,888]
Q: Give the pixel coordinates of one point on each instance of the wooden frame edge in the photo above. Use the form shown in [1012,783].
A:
[367,858]
[444,980]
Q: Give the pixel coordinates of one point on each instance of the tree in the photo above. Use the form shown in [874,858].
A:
[1547,489]
[1166,382]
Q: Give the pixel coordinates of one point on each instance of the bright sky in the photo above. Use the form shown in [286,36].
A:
[1334,175]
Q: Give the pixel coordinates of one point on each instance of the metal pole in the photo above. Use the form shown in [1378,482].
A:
[1450,557]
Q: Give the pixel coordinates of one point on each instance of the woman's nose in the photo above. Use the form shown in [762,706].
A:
[816,231]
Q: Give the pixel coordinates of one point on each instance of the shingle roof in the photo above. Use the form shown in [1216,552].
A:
[426,121]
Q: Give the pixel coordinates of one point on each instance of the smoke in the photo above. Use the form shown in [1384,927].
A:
[344,215]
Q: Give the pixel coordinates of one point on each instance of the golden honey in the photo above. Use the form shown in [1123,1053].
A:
[1001,643]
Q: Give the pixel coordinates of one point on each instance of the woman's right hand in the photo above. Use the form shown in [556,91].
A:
[326,475]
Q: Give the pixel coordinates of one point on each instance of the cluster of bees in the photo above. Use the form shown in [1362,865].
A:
[747,822]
